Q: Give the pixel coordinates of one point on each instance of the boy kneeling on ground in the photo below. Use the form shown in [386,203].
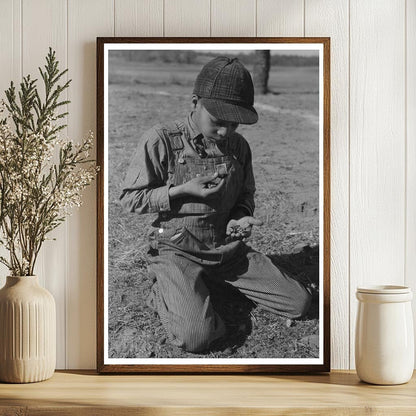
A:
[197,174]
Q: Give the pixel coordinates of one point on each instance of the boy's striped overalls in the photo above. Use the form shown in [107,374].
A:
[189,245]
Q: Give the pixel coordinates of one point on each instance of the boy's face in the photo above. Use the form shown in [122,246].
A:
[210,126]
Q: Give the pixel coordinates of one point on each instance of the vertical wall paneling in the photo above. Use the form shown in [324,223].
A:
[377,152]
[44,24]
[86,21]
[233,18]
[6,45]
[138,17]
[411,149]
[187,18]
[280,18]
[10,66]
[373,127]
[331,18]
[10,44]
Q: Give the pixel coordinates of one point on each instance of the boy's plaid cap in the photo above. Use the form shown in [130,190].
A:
[226,90]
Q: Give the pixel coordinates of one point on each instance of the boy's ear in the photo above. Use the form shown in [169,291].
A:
[194,101]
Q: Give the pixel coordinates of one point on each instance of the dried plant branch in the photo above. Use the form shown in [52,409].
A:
[41,176]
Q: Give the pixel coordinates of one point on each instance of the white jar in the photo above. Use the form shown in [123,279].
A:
[384,337]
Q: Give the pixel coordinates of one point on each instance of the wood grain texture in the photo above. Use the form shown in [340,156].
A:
[37,38]
[187,18]
[233,17]
[100,204]
[330,18]
[280,18]
[377,139]
[411,151]
[87,393]
[326,115]
[85,20]
[138,17]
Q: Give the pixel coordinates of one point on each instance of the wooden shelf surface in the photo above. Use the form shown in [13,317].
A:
[87,393]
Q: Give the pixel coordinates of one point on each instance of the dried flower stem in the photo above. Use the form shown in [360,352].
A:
[37,194]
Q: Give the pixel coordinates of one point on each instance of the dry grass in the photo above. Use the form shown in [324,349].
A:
[285,159]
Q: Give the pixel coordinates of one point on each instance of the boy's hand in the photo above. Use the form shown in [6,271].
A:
[241,229]
[204,187]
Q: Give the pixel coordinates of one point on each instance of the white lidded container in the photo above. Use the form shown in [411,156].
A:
[384,338]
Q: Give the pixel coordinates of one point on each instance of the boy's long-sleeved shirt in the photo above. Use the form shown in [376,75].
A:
[146,187]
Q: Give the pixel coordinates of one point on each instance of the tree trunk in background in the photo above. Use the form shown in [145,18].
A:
[261,72]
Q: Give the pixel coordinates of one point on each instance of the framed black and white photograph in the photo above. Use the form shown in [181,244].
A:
[213,205]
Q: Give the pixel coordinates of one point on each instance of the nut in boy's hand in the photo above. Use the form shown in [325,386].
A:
[238,233]
[204,187]
[241,229]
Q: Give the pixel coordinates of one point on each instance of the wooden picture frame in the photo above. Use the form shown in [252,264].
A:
[141,81]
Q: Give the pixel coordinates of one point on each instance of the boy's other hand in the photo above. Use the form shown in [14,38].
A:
[241,229]
[204,187]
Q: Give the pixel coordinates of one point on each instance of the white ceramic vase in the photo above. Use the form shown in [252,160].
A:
[27,331]
[384,341]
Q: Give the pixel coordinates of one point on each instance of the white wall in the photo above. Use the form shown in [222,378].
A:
[373,132]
